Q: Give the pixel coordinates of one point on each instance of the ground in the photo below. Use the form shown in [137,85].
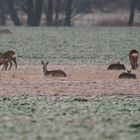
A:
[84,80]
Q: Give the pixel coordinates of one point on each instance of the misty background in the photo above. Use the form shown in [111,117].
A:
[69,12]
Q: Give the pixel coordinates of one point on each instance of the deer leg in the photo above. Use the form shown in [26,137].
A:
[10,64]
[14,60]
[5,65]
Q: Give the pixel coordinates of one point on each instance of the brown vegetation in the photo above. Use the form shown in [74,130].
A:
[5,31]
[86,80]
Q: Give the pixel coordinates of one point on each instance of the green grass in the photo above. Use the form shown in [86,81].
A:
[72,45]
[77,118]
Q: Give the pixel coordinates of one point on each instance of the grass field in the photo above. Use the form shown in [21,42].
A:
[72,45]
[77,118]
[71,108]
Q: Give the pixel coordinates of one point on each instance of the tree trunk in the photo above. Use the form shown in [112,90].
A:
[2,17]
[30,12]
[132,12]
[50,13]
[13,12]
[68,10]
[34,11]
[2,14]
[57,10]
[38,12]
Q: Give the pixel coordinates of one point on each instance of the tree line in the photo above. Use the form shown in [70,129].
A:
[59,12]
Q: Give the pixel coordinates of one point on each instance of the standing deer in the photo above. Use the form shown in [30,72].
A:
[6,58]
[133,57]
[53,73]
[3,60]
[11,56]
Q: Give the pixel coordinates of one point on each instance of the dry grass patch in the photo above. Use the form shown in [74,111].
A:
[81,80]
[19,75]
[117,18]
[111,19]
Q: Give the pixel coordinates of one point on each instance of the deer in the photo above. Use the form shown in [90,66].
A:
[53,73]
[3,60]
[116,66]
[133,57]
[8,57]
[127,75]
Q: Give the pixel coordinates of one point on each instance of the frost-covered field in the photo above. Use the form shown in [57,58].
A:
[90,103]
[69,118]
[72,45]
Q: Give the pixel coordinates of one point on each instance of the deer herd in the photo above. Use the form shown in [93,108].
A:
[8,57]
[133,57]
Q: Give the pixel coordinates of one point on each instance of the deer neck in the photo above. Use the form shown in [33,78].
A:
[45,71]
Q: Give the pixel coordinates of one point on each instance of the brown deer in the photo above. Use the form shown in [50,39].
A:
[127,75]
[133,57]
[53,73]
[116,66]
[11,56]
[3,60]
[8,57]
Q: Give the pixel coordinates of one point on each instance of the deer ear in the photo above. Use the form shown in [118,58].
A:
[42,62]
[47,62]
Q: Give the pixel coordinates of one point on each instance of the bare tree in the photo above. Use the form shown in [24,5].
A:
[37,12]
[132,12]
[2,14]
[57,11]
[49,12]
[7,7]
[68,12]
[12,12]
[33,9]
[30,12]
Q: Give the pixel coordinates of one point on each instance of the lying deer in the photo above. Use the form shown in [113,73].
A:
[6,58]
[133,57]
[53,73]
[127,75]
[116,66]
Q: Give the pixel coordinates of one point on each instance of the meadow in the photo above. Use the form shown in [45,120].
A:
[72,45]
[90,103]
[77,118]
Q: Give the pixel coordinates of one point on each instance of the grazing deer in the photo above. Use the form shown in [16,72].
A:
[53,73]
[133,56]
[127,75]
[11,56]
[116,66]
[3,60]
[6,58]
